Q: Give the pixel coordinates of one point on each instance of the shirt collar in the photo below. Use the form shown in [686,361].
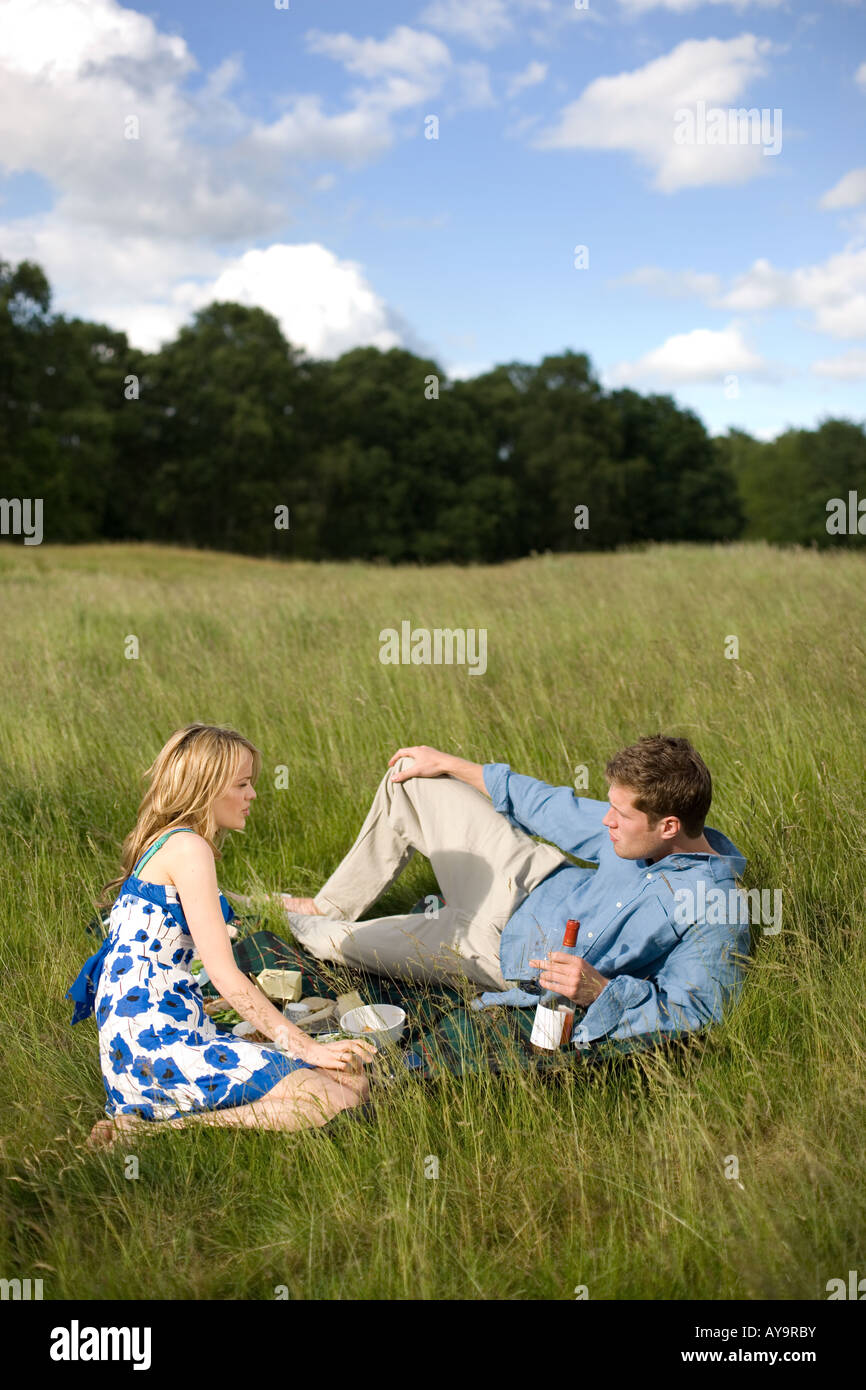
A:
[727,861]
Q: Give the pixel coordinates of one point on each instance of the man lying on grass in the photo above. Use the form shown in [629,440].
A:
[656,957]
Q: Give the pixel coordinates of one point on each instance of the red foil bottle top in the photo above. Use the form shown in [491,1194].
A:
[571,926]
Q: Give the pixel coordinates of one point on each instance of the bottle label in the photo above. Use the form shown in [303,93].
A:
[551,1027]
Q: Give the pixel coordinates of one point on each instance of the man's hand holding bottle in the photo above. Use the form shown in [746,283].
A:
[572,977]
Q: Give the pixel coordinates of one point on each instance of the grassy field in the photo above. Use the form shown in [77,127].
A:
[616,1184]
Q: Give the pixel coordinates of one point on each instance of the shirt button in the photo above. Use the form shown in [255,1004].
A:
[589,935]
[619,904]
[649,875]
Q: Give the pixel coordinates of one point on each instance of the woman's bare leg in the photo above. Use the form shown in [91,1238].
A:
[312,1099]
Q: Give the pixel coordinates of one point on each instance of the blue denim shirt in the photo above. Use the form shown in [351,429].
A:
[674,959]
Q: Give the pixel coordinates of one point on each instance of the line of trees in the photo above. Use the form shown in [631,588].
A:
[230,438]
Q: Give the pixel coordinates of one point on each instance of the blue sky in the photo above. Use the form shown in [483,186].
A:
[154,159]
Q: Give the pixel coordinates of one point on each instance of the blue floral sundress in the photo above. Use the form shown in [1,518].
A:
[161,1055]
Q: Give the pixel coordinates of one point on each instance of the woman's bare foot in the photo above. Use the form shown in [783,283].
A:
[305,906]
[107,1132]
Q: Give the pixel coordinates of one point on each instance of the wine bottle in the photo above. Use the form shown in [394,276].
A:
[554,1015]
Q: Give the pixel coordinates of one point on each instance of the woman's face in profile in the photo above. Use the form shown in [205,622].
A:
[233,807]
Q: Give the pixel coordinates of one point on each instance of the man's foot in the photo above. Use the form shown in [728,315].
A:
[305,906]
[290,904]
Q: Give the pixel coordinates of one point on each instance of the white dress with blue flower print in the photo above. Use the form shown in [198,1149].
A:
[161,1055]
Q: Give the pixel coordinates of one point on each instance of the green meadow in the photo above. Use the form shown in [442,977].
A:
[618,1181]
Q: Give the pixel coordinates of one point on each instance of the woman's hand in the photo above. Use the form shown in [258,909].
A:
[345,1054]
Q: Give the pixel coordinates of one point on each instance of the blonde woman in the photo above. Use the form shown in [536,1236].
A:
[162,1057]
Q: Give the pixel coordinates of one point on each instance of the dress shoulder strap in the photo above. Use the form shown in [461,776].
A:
[157,844]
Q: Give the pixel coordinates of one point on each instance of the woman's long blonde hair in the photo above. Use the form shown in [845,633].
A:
[195,767]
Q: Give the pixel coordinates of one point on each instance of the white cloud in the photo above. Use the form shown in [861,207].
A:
[702,355]
[323,304]
[673,284]
[68,102]
[518,128]
[409,52]
[467,371]
[405,69]
[308,133]
[144,231]
[849,192]
[473,87]
[127,282]
[148,289]
[834,290]
[637,112]
[686,6]
[850,366]
[134,221]
[74,73]
[487,23]
[56,38]
[531,75]
[482,22]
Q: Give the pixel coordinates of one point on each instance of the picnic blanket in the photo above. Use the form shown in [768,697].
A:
[444,1033]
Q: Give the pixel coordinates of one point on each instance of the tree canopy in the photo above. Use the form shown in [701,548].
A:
[229,437]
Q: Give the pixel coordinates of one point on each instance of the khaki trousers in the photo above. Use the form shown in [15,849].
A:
[483,865]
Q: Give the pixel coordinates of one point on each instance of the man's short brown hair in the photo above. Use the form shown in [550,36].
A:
[668,778]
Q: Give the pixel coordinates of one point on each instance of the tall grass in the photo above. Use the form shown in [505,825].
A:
[615,1180]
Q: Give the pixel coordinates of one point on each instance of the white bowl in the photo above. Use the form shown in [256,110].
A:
[376,1022]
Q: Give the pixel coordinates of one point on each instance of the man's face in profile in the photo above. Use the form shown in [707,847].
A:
[631,833]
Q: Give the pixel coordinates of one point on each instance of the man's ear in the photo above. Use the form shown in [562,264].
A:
[669,827]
